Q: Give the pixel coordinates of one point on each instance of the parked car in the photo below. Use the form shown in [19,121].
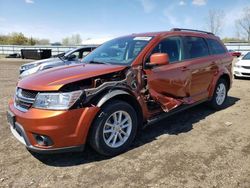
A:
[124,85]
[14,55]
[73,56]
[242,67]
[234,53]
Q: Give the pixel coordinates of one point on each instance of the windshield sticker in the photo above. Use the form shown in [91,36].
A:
[143,38]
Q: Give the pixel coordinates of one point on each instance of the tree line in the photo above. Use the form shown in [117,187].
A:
[20,39]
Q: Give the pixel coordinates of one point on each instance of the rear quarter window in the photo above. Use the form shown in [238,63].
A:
[216,47]
[195,47]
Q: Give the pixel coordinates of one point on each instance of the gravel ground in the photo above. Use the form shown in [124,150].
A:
[196,148]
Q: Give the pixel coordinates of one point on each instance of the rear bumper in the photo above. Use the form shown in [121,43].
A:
[68,130]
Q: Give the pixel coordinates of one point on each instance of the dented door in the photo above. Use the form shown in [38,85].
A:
[169,84]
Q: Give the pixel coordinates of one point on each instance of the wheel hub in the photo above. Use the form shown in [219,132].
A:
[117,129]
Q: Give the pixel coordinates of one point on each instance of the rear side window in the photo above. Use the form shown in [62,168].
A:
[172,46]
[195,47]
[216,47]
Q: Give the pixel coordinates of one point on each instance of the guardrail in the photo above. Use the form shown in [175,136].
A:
[239,47]
[10,49]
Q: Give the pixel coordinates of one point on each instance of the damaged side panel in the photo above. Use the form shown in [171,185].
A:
[127,81]
[154,90]
[169,90]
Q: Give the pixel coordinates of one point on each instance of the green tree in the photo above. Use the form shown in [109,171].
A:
[31,41]
[18,39]
[4,39]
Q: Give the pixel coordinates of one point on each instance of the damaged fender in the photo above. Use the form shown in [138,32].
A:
[110,95]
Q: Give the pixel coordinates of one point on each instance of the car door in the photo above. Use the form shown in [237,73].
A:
[169,84]
[201,67]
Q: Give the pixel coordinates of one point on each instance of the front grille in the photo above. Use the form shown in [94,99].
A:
[29,94]
[246,67]
[24,99]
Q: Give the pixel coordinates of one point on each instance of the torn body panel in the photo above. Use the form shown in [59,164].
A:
[169,90]
[126,82]
[167,103]
[153,90]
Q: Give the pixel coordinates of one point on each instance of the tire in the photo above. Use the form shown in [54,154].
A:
[219,98]
[101,131]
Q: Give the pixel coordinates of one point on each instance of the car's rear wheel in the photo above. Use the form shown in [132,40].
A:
[114,128]
[219,98]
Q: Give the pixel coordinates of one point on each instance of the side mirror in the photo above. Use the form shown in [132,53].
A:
[158,59]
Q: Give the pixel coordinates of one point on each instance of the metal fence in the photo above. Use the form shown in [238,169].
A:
[10,49]
[239,47]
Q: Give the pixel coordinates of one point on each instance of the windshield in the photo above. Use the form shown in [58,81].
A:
[68,52]
[247,56]
[121,51]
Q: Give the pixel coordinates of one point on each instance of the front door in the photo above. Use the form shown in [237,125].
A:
[169,84]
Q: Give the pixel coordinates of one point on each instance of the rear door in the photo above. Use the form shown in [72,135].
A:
[169,84]
[200,65]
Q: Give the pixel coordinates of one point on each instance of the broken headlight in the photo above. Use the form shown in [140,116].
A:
[56,101]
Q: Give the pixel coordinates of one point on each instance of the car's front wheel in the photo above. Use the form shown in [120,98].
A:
[114,128]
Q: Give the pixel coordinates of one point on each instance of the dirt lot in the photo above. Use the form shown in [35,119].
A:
[197,148]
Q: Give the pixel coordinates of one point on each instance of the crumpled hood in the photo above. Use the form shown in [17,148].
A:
[53,79]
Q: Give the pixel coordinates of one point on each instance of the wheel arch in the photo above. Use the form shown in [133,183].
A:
[123,96]
[224,76]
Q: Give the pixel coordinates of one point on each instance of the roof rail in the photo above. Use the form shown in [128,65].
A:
[192,30]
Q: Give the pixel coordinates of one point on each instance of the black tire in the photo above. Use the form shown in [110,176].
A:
[214,102]
[96,134]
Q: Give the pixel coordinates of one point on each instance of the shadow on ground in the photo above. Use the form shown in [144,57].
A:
[174,125]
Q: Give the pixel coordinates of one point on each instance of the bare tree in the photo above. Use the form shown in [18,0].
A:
[72,40]
[244,23]
[215,21]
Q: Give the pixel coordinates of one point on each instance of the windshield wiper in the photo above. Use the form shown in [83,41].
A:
[97,62]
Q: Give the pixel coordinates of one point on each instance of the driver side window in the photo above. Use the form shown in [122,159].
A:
[76,53]
[172,46]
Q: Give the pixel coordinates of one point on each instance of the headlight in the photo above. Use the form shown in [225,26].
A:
[237,66]
[56,101]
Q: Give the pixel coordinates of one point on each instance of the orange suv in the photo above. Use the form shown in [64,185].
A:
[122,86]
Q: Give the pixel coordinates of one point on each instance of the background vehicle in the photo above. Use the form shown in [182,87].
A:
[67,58]
[242,67]
[122,86]
[234,53]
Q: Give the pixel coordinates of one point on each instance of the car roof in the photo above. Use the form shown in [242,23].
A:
[186,32]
